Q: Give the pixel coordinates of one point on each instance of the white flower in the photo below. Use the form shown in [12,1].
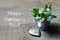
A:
[48,9]
[42,19]
[47,13]
[38,18]
[40,11]
[50,18]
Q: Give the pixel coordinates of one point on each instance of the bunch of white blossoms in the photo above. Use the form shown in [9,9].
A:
[43,13]
[47,13]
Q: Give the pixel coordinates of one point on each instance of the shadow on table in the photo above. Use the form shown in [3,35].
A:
[53,29]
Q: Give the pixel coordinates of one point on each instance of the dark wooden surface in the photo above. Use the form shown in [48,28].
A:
[16,19]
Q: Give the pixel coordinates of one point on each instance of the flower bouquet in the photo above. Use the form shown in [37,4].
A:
[42,17]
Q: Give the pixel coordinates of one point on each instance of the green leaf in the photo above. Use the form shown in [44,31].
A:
[46,5]
[35,11]
[50,7]
[45,10]
[54,16]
